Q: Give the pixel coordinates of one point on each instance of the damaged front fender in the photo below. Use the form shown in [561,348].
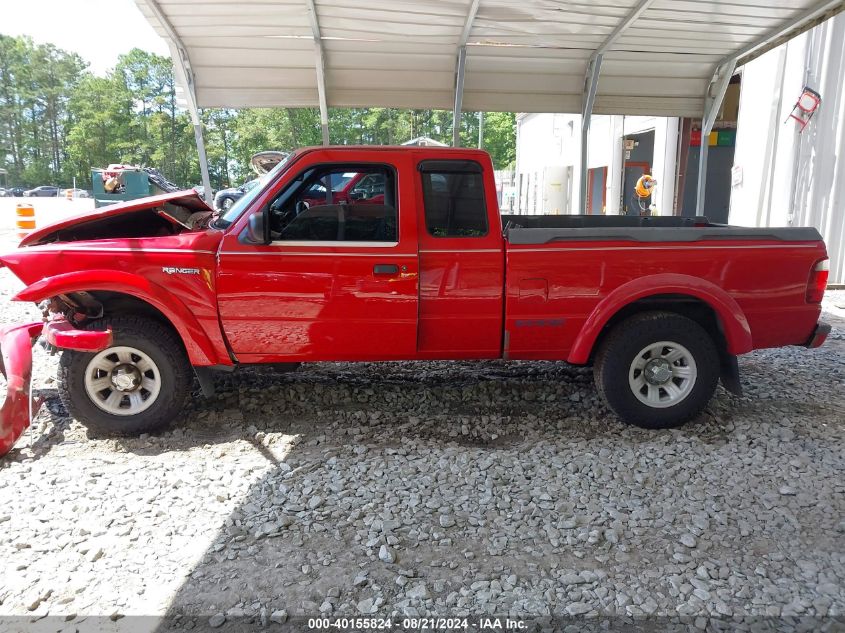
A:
[18,409]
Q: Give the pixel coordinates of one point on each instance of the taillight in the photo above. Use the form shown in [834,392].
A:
[818,281]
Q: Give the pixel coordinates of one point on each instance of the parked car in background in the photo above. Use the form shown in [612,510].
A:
[76,193]
[44,191]
[15,192]
[201,190]
[225,198]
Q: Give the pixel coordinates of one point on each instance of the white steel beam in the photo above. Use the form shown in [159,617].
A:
[182,64]
[725,69]
[623,26]
[787,30]
[321,70]
[712,102]
[460,71]
[591,83]
[459,96]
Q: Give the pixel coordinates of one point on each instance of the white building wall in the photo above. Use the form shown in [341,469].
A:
[554,140]
[787,178]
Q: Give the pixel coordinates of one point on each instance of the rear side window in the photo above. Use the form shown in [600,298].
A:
[453,195]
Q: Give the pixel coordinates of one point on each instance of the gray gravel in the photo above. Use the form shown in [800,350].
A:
[435,488]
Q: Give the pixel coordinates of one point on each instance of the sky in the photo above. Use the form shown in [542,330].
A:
[99,30]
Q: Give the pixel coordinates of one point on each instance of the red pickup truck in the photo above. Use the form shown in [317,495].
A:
[415,262]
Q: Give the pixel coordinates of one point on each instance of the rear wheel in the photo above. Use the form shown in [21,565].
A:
[657,369]
[138,385]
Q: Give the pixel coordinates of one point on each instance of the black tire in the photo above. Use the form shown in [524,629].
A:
[614,366]
[226,203]
[167,354]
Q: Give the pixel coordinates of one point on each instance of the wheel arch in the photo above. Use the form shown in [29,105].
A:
[704,302]
[155,300]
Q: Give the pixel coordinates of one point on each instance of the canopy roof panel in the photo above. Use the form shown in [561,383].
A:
[659,56]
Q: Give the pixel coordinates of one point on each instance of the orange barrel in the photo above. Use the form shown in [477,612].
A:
[69,194]
[25,221]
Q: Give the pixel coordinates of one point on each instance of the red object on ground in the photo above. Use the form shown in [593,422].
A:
[16,345]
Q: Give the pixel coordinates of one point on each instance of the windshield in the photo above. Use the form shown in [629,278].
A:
[225,220]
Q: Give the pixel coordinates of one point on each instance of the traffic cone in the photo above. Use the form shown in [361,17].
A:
[25,221]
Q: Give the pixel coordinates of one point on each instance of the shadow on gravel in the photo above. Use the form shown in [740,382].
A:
[351,521]
[492,405]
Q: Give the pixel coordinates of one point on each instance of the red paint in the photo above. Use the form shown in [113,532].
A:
[16,344]
[459,298]
[136,267]
[281,303]
[62,334]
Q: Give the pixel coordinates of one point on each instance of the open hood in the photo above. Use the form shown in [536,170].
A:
[165,214]
[263,162]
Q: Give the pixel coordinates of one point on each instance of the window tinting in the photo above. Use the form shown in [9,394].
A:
[351,203]
[345,223]
[454,204]
[318,224]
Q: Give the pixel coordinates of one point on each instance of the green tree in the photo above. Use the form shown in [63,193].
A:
[35,85]
[57,121]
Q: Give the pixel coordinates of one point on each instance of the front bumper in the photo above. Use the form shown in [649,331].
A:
[819,335]
[16,343]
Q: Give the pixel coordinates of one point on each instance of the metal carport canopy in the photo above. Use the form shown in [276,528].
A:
[655,57]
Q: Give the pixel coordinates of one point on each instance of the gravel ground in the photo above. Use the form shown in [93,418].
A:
[434,489]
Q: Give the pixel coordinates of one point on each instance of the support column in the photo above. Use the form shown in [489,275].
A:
[203,158]
[185,77]
[459,96]
[712,102]
[320,67]
[591,84]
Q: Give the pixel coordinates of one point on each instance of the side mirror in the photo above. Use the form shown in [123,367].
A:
[256,230]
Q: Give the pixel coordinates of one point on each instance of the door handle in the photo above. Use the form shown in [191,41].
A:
[385,269]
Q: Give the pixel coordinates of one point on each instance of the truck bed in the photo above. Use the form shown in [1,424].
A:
[545,229]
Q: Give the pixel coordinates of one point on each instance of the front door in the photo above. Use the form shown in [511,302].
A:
[338,280]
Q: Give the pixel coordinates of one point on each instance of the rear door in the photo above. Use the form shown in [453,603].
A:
[461,262]
[337,282]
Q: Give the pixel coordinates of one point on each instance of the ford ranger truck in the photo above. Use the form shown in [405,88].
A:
[413,262]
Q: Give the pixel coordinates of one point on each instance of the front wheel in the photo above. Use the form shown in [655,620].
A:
[226,204]
[138,385]
[657,369]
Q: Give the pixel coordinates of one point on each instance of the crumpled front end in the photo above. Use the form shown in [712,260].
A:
[16,343]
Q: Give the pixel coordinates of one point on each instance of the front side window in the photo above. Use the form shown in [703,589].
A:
[454,200]
[337,204]
[227,218]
